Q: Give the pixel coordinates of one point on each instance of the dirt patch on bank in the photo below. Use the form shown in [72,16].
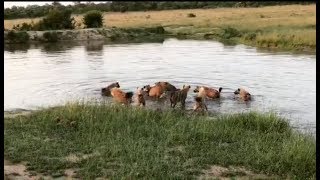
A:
[19,171]
[223,173]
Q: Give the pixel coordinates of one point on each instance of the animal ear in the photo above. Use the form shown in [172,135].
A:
[183,86]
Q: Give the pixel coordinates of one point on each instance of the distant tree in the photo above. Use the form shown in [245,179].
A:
[93,19]
[56,3]
[123,6]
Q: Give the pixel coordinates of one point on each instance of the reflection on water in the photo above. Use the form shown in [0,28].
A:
[16,47]
[94,46]
[52,74]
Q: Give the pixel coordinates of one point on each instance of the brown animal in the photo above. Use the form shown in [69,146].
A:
[159,89]
[204,91]
[166,86]
[106,91]
[121,97]
[179,96]
[140,100]
[243,94]
[200,104]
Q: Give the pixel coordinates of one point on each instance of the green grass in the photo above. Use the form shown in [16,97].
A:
[297,39]
[137,143]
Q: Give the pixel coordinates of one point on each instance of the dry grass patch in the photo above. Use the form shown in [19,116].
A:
[243,17]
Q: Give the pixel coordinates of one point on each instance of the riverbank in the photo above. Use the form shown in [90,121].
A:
[290,28]
[112,141]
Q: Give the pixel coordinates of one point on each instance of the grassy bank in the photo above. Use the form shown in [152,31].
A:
[110,35]
[105,141]
[291,27]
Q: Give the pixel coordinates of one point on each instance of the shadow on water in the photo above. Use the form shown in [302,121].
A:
[94,45]
[57,47]
[17,47]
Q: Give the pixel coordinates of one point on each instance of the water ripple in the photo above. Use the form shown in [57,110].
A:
[47,76]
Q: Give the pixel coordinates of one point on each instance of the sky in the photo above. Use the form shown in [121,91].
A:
[8,4]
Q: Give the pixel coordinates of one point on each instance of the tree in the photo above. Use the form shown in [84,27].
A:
[93,19]
[56,3]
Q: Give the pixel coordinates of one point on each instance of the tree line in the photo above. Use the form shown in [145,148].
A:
[33,11]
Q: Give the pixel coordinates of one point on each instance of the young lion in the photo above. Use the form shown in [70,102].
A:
[179,96]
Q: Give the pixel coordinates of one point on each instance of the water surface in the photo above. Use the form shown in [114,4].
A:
[52,74]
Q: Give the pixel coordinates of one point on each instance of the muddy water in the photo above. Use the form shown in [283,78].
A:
[52,74]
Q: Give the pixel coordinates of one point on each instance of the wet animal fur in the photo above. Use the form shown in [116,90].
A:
[204,91]
[200,104]
[121,97]
[140,100]
[243,94]
[179,96]
[159,89]
[106,91]
[166,86]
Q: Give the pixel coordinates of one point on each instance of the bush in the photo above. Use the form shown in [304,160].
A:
[250,36]
[55,20]
[191,15]
[93,19]
[18,37]
[230,32]
[50,36]
[157,30]
[24,27]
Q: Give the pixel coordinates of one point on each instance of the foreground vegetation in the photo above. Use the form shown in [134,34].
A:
[113,141]
[291,27]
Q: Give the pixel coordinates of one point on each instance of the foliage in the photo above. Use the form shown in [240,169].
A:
[24,27]
[230,32]
[33,11]
[18,37]
[50,36]
[56,19]
[93,19]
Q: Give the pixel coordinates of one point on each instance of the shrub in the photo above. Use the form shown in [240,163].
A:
[50,36]
[250,36]
[191,15]
[24,27]
[18,37]
[123,9]
[55,20]
[157,30]
[93,19]
[230,32]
